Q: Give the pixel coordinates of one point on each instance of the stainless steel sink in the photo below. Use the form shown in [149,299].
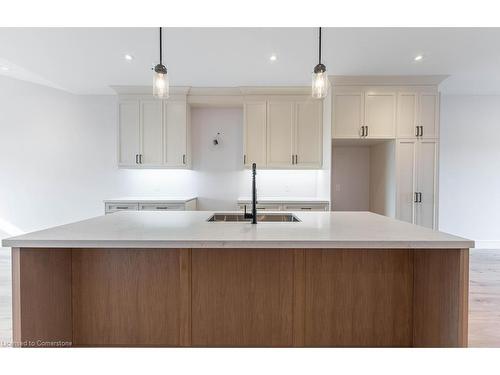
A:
[268,217]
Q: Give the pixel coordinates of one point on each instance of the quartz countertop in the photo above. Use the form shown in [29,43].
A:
[190,229]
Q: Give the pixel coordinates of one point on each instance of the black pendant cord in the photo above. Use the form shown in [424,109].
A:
[320,45]
[161,63]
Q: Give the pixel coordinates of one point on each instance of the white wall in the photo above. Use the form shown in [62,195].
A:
[219,169]
[469,183]
[58,160]
[350,178]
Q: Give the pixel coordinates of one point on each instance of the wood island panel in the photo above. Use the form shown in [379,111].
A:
[131,297]
[41,292]
[242,297]
[441,287]
[358,298]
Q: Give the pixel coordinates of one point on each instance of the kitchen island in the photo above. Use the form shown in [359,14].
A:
[174,279]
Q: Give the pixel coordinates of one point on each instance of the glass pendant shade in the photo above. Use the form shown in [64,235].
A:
[161,89]
[319,83]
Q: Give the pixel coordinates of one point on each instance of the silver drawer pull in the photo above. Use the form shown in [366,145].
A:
[161,208]
[121,207]
[306,208]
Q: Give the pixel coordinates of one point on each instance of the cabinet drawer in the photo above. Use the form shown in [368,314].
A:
[305,207]
[114,207]
[161,207]
[262,207]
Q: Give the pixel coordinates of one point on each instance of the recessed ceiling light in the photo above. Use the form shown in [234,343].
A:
[419,58]
[4,68]
[273,57]
[129,57]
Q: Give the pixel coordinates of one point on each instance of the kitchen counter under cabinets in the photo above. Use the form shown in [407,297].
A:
[150,204]
[285,204]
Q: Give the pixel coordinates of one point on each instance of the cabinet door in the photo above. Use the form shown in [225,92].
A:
[308,134]
[406,179]
[129,132]
[152,131]
[175,117]
[426,180]
[280,119]
[380,114]
[348,114]
[429,114]
[255,134]
[407,115]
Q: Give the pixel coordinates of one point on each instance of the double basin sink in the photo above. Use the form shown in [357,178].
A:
[268,217]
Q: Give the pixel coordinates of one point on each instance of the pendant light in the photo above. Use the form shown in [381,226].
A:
[319,77]
[160,78]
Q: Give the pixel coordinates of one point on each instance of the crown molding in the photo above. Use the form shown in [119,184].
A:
[145,90]
[392,80]
[275,90]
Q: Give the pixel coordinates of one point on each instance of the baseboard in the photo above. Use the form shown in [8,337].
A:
[488,244]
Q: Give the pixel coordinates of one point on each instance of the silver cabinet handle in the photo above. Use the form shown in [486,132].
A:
[421,130]
[244,159]
[292,160]
[417,131]
[161,208]
[362,131]
[136,159]
[183,158]
[415,199]
[296,159]
[366,133]
[419,197]
[121,208]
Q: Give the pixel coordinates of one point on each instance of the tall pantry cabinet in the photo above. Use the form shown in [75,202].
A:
[403,114]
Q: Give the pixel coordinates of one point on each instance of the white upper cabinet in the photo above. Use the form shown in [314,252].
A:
[129,134]
[308,134]
[254,123]
[364,114]
[153,133]
[280,126]
[176,133]
[428,117]
[407,114]
[418,115]
[284,132]
[380,115]
[348,114]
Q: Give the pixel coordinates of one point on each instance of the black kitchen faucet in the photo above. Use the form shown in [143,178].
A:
[253,215]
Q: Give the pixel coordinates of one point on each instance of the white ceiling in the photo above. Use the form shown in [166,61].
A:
[89,60]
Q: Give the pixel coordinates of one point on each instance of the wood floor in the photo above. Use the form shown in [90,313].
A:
[484,307]
[484,317]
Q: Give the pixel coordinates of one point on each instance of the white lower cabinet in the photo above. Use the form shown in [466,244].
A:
[283,205]
[416,182]
[153,204]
